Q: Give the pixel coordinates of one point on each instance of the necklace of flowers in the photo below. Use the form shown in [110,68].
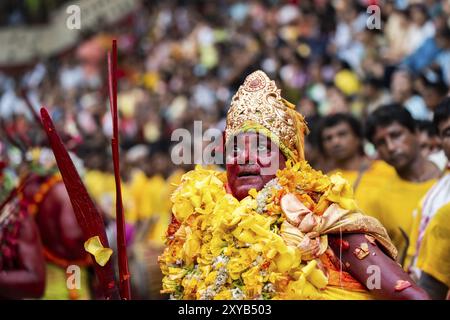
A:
[221,248]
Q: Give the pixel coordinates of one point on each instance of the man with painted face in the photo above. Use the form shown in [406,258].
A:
[392,130]
[271,226]
[250,164]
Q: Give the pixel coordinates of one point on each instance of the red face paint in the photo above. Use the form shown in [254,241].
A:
[252,160]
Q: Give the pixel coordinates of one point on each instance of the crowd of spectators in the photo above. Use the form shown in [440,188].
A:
[181,61]
[27,12]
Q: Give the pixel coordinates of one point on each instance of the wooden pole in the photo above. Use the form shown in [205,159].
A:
[89,219]
[124,281]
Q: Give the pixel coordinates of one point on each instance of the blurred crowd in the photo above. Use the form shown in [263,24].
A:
[27,12]
[181,61]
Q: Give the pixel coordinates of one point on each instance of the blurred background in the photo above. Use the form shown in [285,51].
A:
[181,61]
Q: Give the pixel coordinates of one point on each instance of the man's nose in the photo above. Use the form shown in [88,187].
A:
[247,155]
[390,145]
[334,141]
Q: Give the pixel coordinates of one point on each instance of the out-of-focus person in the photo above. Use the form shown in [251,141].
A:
[430,241]
[429,140]
[402,90]
[393,132]
[341,140]
[22,264]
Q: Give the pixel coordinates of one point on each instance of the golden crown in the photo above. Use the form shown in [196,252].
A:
[258,106]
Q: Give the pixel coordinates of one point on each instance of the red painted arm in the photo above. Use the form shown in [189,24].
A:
[364,270]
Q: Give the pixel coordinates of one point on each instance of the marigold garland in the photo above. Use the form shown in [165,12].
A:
[222,248]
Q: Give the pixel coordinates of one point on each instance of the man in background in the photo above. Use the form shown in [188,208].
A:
[341,141]
[393,132]
[430,238]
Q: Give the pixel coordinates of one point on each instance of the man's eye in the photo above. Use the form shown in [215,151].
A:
[378,143]
[446,133]
[396,135]
[262,148]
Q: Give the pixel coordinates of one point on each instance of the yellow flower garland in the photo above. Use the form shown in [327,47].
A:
[222,248]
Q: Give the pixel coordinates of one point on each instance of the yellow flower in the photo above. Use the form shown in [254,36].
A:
[302,289]
[190,285]
[253,282]
[217,244]
[318,279]
[301,175]
[295,288]
[169,285]
[253,193]
[176,273]
[236,249]
[235,268]
[211,278]
[288,259]
[196,201]
[192,246]
[245,236]
[101,254]
[223,295]
[341,192]
[182,210]
[309,267]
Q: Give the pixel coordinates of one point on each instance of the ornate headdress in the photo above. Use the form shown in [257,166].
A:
[258,107]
